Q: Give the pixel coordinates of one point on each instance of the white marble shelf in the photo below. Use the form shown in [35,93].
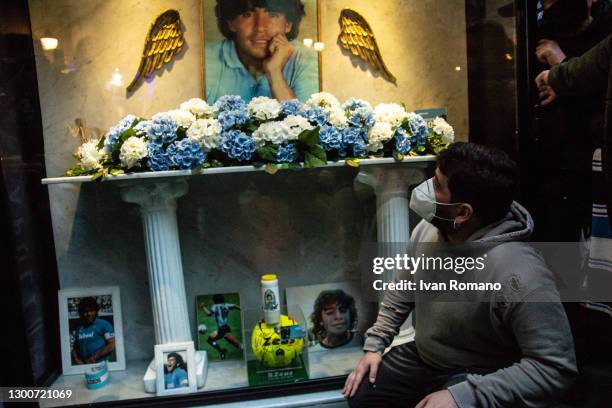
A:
[224,170]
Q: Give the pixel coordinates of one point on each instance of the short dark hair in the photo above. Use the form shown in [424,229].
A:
[218,298]
[227,10]
[481,176]
[88,303]
[330,297]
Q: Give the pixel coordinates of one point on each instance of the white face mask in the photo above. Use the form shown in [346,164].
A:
[423,201]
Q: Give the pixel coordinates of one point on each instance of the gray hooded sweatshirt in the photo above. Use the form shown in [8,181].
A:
[522,333]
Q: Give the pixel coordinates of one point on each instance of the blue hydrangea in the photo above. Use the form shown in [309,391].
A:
[315,114]
[286,154]
[360,148]
[418,129]
[230,103]
[331,138]
[229,119]
[237,145]
[186,154]
[402,141]
[291,107]
[351,135]
[361,117]
[142,127]
[158,158]
[114,132]
[354,104]
[162,130]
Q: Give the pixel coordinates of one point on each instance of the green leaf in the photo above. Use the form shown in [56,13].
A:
[268,152]
[352,162]
[397,155]
[319,152]
[270,168]
[216,163]
[100,175]
[206,165]
[294,166]
[181,133]
[101,142]
[315,157]
[309,137]
[116,172]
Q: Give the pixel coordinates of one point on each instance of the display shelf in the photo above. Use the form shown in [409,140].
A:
[224,170]
[127,384]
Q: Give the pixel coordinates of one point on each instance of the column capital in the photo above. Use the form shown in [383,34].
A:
[390,181]
[154,195]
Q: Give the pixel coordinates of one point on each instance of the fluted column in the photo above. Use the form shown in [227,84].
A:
[157,201]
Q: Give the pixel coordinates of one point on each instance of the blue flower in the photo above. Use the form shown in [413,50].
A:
[291,107]
[360,148]
[402,141]
[114,132]
[237,145]
[231,118]
[330,138]
[162,130]
[286,154]
[354,104]
[158,158]
[362,117]
[142,127]
[186,154]
[315,114]
[230,103]
[351,135]
[418,128]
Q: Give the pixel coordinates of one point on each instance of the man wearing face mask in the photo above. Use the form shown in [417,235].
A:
[508,351]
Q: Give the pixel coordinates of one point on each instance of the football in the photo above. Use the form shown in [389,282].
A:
[202,329]
[270,348]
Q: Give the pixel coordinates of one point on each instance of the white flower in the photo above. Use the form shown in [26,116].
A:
[296,125]
[337,117]
[205,132]
[390,113]
[132,151]
[90,156]
[442,128]
[198,107]
[323,99]
[380,133]
[275,132]
[264,108]
[183,118]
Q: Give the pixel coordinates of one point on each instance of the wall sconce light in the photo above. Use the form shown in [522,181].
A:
[308,42]
[457,68]
[117,78]
[48,43]
[319,46]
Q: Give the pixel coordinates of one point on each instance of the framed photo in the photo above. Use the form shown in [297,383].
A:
[91,328]
[175,367]
[244,47]
[219,324]
[335,313]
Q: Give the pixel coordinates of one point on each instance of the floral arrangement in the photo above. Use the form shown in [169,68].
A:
[263,132]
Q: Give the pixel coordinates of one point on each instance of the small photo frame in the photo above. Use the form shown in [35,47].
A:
[175,368]
[219,326]
[91,328]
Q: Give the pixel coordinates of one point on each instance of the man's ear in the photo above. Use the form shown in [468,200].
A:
[231,25]
[466,213]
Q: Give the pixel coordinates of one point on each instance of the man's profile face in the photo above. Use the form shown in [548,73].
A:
[89,315]
[171,364]
[440,182]
[336,319]
[255,28]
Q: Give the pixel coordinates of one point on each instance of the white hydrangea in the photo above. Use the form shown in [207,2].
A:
[274,132]
[442,128]
[89,155]
[379,134]
[391,113]
[264,108]
[183,118]
[132,151]
[323,99]
[337,117]
[198,107]
[296,125]
[205,132]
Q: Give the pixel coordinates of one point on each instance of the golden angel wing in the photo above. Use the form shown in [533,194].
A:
[357,37]
[164,40]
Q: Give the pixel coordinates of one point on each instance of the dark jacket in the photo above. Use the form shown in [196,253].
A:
[586,76]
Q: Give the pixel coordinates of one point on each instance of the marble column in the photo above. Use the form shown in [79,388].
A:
[157,201]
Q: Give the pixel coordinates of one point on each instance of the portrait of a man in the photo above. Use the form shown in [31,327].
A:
[175,371]
[334,318]
[93,339]
[258,52]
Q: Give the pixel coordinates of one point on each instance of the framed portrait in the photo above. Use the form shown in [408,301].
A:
[261,48]
[175,368]
[91,328]
[335,313]
[219,325]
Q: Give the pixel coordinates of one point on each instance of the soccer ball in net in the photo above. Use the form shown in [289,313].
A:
[269,346]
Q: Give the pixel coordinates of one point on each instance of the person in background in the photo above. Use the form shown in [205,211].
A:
[509,349]
[94,339]
[259,56]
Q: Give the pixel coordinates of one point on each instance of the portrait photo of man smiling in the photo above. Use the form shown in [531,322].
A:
[258,53]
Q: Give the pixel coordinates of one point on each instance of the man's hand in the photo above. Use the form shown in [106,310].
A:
[438,399]
[545,91]
[92,359]
[280,51]
[368,365]
[549,52]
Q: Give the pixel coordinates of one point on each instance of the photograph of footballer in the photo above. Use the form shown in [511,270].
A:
[219,324]
[175,368]
[91,328]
